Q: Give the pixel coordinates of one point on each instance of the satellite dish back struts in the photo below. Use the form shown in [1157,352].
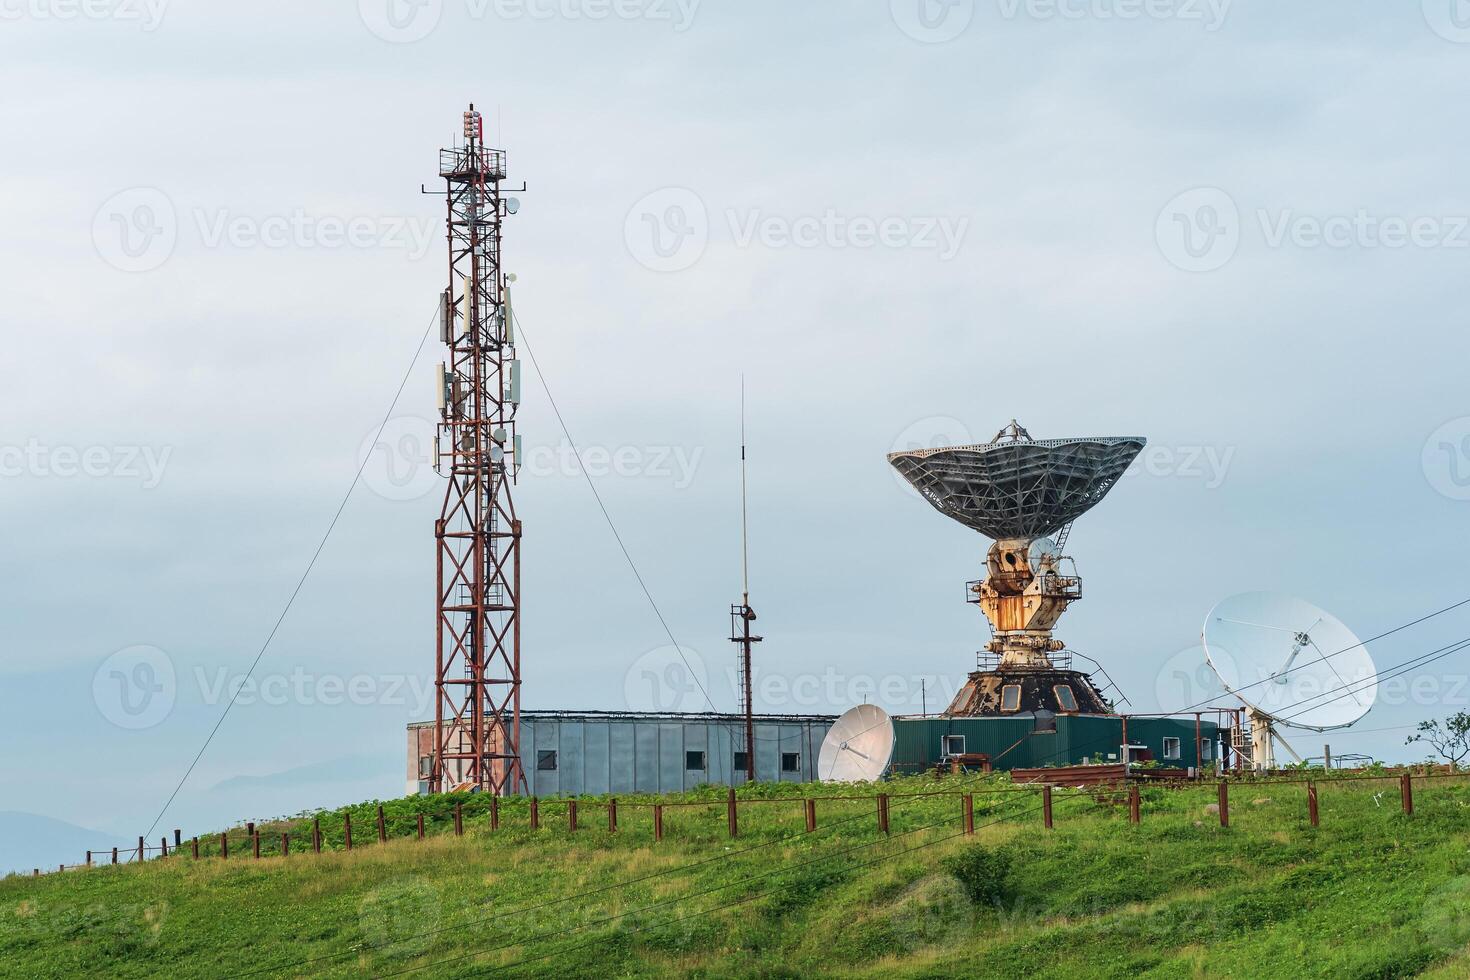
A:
[1291,664]
[858,747]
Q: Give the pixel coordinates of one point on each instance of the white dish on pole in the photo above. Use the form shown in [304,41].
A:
[858,747]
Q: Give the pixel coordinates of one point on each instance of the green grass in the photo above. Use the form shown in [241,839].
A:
[1371,893]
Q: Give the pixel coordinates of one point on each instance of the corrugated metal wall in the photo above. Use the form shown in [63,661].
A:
[1012,743]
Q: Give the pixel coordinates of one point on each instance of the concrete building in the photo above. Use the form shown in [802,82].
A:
[572,753]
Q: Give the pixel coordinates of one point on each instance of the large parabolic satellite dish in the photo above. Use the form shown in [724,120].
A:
[1290,661]
[1015,486]
[858,747]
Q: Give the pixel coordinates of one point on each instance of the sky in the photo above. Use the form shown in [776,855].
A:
[1236,228]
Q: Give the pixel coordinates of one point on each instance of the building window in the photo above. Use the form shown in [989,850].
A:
[546,760]
[1046,721]
[1206,750]
[1171,748]
[1010,697]
[1065,698]
[791,762]
[694,761]
[740,762]
[426,766]
[954,745]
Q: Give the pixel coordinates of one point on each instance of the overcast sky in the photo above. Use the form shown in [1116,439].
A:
[1238,229]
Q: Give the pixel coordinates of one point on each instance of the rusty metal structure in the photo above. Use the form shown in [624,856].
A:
[478,536]
[742,615]
[1017,491]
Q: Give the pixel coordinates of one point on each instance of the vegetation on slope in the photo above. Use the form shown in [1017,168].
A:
[1371,893]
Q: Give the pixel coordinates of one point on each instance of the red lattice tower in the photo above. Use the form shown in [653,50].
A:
[478,661]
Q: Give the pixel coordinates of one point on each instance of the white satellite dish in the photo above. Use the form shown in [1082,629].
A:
[858,747]
[1291,664]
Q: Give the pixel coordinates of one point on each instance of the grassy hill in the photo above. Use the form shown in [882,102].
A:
[1371,893]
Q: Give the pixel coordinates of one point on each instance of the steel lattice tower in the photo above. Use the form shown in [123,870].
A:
[478,629]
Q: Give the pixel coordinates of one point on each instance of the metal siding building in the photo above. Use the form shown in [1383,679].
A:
[576,753]
[1013,743]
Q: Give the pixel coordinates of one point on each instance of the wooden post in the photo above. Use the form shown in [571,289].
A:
[572,815]
[114,854]
[730,814]
[1133,815]
[1199,762]
[89,859]
[382,826]
[494,813]
[1406,792]
[612,814]
[250,828]
[224,845]
[1326,758]
[883,812]
[459,819]
[163,846]
[347,829]
[658,821]
[535,813]
[1312,804]
[285,844]
[316,834]
[140,848]
[1046,807]
[969,813]
[255,845]
[1224,792]
[178,838]
[811,815]
[421,826]
[194,846]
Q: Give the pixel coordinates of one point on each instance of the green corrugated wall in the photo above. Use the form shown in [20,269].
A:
[1012,744]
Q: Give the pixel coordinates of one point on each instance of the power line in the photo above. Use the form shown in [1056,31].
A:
[356,477]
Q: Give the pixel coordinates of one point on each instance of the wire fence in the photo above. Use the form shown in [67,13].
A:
[699,821]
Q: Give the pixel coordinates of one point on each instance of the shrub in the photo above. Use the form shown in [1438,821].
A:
[983,872]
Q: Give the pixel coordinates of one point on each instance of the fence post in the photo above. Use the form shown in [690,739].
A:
[421,826]
[178,838]
[572,815]
[347,829]
[114,855]
[285,844]
[224,845]
[1133,814]
[1406,791]
[535,813]
[316,835]
[382,826]
[140,848]
[658,821]
[1312,803]
[255,845]
[811,815]
[1046,807]
[163,846]
[730,813]
[883,813]
[89,859]
[969,813]
[250,828]
[612,814]
[194,845]
[494,812]
[459,819]
[1224,798]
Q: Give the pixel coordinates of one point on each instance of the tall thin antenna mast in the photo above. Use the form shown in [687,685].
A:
[741,616]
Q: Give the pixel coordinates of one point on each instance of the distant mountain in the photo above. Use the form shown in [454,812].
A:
[29,840]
